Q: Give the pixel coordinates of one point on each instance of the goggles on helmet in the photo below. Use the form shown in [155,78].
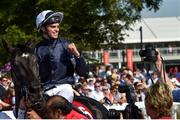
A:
[54,19]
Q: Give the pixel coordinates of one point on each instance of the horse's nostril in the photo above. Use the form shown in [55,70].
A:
[39,107]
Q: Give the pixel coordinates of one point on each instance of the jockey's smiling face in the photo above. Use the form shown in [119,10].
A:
[51,30]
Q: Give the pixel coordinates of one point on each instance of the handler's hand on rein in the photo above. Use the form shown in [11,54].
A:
[33,115]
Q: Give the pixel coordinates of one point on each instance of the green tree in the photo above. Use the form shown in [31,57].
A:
[91,24]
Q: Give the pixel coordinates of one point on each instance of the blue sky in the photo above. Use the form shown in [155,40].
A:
[168,8]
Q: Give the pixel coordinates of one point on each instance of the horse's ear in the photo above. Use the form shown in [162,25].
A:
[7,46]
[30,43]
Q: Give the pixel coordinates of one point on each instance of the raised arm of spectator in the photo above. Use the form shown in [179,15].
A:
[163,74]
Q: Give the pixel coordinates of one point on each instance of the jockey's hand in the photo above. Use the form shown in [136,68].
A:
[32,115]
[72,49]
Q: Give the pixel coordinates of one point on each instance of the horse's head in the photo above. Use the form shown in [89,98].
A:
[25,73]
[24,62]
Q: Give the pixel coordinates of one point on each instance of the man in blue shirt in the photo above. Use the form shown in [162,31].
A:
[58,58]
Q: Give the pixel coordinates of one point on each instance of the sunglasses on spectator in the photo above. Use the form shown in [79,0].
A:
[105,89]
[87,89]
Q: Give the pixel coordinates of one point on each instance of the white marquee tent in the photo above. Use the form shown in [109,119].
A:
[164,29]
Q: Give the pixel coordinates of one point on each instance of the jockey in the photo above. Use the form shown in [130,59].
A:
[58,58]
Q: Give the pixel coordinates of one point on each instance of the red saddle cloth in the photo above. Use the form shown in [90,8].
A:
[75,115]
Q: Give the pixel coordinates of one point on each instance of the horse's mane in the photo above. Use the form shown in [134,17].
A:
[25,48]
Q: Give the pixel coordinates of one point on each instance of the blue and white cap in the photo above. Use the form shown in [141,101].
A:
[48,17]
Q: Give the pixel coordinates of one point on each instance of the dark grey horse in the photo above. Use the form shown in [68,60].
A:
[25,75]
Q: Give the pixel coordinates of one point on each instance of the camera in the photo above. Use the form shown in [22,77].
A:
[149,54]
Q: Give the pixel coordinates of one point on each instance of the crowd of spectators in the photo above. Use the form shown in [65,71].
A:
[105,84]
[108,82]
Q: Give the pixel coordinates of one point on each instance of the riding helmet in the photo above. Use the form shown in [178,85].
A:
[48,17]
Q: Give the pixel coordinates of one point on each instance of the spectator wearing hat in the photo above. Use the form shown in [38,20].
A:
[90,83]
[58,58]
[78,89]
